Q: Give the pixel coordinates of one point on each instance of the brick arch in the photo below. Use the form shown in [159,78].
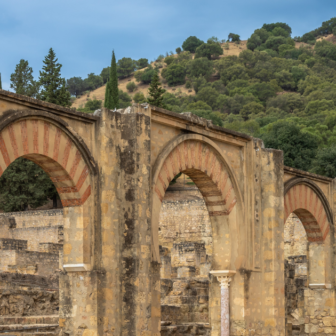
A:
[308,203]
[51,147]
[203,162]
[203,165]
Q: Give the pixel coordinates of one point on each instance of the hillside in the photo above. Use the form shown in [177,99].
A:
[234,50]
[272,86]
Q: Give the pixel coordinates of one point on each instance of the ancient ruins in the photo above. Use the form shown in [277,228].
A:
[237,244]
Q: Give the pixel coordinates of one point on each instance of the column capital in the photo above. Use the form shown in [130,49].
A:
[224,277]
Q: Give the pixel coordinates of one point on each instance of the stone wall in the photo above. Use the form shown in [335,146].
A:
[31,243]
[185,248]
[309,306]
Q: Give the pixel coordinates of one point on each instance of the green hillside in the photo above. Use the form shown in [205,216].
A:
[279,89]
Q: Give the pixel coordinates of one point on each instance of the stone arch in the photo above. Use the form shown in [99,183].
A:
[304,198]
[202,160]
[48,142]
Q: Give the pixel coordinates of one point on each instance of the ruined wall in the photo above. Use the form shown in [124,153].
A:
[30,250]
[36,227]
[185,248]
[309,306]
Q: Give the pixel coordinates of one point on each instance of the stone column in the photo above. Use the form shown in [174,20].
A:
[224,278]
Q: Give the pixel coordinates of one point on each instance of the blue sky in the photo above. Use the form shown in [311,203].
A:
[83,33]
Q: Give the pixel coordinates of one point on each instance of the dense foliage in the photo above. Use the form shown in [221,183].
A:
[25,184]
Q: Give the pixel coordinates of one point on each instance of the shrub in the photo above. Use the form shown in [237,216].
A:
[124,99]
[169,60]
[139,98]
[188,84]
[160,58]
[131,86]
[91,106]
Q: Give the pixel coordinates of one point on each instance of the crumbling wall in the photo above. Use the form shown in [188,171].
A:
[309,307]
[30,248]
[185,249]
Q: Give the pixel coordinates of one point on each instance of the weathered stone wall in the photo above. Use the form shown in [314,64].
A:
[309,306]
[185,248]
[36,227]
[29,263]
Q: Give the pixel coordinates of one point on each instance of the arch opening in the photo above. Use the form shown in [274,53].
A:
[308,263]
[207,169]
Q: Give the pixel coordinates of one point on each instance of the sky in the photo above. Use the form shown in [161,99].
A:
[84,33]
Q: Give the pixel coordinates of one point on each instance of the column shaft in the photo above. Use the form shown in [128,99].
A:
[225,313]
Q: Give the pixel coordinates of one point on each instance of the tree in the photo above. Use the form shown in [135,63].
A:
[279,31]
[125,99]
[234,37]
[125,67]
[91,106]
[131,86]
[75,86]
[105,74]
[199,105]
[288,102]
[0,82]
[156,92]
[317,106]
[142,63]
[111,91]
[174,74]
[254,42]
[146,75]
[178,50]
[92,82]
[200,67]
[273,42]
[209,49]
[139,98]
[198,83]
[191,43]
[53,86]
[251,108]
[208,95]
[169,60]
[22,80]
[299,148]
[270,26]
[25,184]
[234,72]
[263,91]
[325,162]
[285,80]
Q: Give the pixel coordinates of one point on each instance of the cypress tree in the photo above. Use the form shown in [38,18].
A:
[111,90]
[53,86]
[0,82]
[156,92]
